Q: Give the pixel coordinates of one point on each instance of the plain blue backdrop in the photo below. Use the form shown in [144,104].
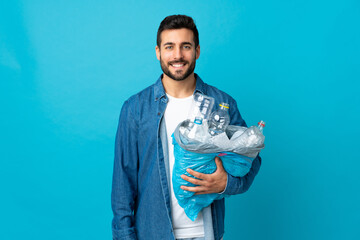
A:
[66,67]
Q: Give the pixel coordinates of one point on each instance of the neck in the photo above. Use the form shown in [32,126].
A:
[179,89]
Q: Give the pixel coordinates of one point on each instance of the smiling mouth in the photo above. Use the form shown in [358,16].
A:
[177,65]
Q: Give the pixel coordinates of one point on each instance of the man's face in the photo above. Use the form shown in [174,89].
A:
[177,53]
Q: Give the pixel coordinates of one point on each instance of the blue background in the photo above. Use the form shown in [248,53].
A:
[66,67]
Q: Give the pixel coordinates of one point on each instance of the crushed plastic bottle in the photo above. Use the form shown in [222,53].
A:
[219,120]
[197,127]
[253,136]
[201,108]
[199,132]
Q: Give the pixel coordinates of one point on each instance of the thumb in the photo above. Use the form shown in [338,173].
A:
[218,163]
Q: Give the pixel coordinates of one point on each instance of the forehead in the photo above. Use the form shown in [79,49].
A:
[177,36]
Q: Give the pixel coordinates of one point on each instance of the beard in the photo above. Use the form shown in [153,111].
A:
[178,77]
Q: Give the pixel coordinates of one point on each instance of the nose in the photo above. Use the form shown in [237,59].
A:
[178,53]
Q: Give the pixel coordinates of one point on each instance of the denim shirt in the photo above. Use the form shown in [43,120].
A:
[140,195]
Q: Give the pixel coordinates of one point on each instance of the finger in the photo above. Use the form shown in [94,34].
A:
[192,180]
[196,174]
[219,165]
[202,192]
[193,189]
[218,162]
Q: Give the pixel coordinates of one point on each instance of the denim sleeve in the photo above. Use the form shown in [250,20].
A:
[237,185]
[124,183]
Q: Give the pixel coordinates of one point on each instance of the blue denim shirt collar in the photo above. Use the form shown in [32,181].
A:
[159,91]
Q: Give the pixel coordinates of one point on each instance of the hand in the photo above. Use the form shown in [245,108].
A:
[207,183]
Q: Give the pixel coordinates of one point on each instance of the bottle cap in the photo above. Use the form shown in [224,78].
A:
[198,120]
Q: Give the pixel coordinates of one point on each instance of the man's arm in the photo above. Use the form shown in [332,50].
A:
[237,185]
[124,183]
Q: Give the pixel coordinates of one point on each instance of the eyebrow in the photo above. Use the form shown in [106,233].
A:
[183,43]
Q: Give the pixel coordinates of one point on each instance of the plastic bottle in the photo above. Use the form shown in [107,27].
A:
[201,108]
[197,127]
[255,135]
[261,125]
[199,131]
[219,120]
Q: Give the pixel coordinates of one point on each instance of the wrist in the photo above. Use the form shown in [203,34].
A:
[225,183]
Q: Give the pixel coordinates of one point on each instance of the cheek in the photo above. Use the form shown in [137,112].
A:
[165,56]
[191,55]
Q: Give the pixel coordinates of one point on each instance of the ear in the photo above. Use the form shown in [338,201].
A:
[197,52]
[157,50]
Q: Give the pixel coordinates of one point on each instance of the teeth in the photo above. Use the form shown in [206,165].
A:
[178,65]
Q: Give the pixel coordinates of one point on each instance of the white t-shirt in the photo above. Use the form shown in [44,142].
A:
[177,111]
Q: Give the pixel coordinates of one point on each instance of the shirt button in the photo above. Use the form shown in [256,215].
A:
[159,113]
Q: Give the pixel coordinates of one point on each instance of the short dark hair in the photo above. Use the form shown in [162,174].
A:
[177,22]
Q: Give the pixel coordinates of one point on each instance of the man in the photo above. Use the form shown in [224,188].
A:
[143,200]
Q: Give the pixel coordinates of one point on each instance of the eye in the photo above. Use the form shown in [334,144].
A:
[168,47]
[187,47]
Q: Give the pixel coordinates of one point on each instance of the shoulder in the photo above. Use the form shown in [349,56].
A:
[142,95]
[141,102]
